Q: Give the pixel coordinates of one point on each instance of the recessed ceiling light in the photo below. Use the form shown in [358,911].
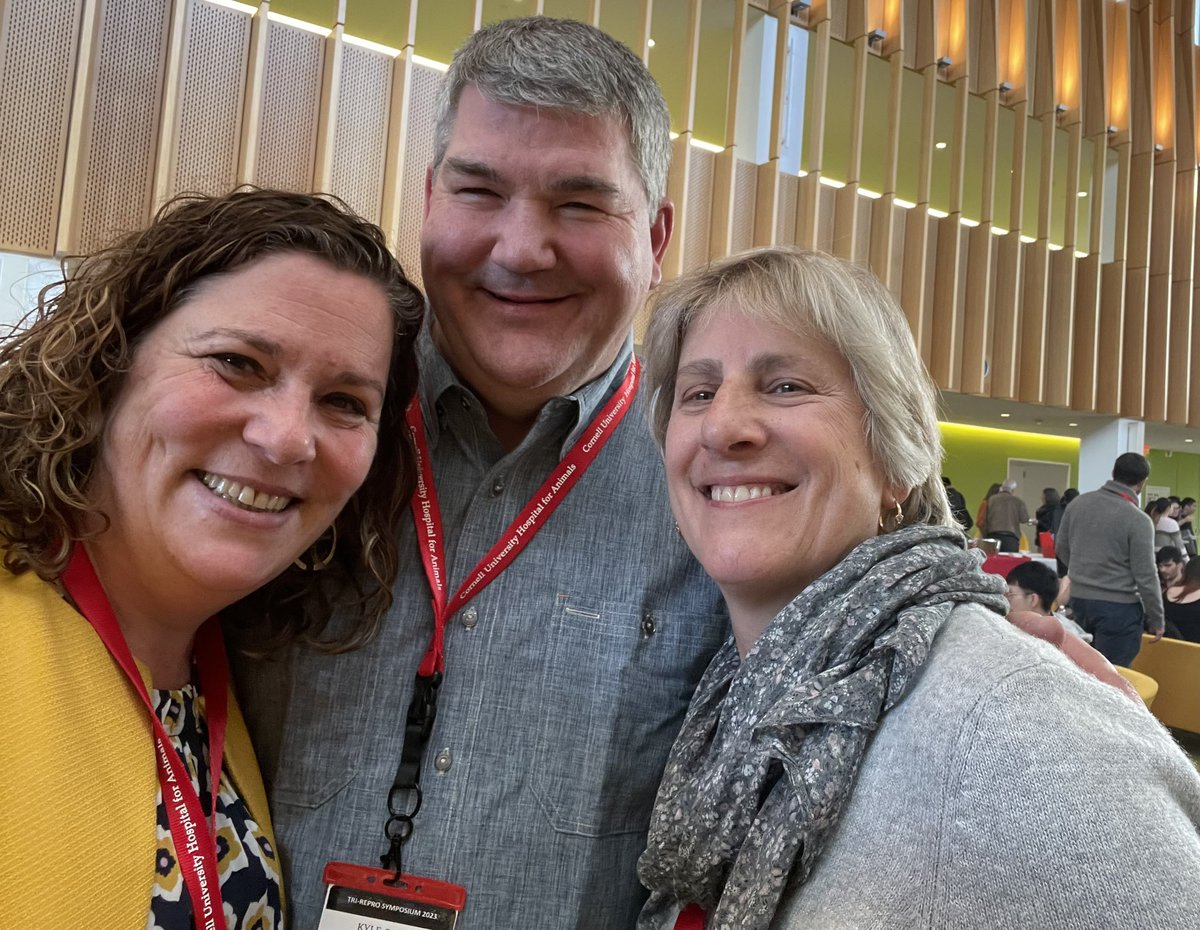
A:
[939,145]
[1072,424]
[1081,194]
[1189,440]
[650,42]
[1006,415]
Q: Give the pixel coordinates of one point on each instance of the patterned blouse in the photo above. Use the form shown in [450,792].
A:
[248,867]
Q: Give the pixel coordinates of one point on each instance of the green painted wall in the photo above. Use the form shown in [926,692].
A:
[317,12]
[1179,471]
[976,456]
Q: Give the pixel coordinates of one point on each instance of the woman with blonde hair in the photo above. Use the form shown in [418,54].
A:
[874,746]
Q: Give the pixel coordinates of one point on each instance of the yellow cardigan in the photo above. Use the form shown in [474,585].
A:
[78,780]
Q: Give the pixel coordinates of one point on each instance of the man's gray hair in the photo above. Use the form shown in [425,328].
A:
[563,64]
[843,305]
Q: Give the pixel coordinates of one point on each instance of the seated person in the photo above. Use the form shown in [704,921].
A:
[1170,561]
[1181,604]
[1034,587]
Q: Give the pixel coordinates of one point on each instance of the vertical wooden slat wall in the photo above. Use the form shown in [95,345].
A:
[946,311]
[720,241]
[1093,104]
[1036,261]
[681,149]
[978,310]
[1180,364]
[1059,350]
[1158,285]
[1084,297]
[1141,199]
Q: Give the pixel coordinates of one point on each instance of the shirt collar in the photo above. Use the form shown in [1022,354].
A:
[1123,489]
[437,378]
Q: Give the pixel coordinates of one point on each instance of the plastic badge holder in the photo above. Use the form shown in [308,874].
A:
[359,896]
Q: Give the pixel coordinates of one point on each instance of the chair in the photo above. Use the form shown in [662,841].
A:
[1175,665]
[1146,687]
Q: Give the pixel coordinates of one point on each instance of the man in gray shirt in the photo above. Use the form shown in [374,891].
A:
[559,685]
[1107,544]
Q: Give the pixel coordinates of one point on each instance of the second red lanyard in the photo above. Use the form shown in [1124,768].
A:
[431,533]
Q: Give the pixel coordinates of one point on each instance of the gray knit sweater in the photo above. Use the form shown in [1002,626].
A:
[1107,544]
[1009,789]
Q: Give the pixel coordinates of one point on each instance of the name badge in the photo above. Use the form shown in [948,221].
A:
[360,898]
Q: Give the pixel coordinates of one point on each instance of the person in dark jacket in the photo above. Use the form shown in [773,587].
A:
[958,506]
[1049,515]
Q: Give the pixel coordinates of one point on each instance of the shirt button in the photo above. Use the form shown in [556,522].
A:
[466,404]
[440,408]
[497,487]
[470,618]
[443,760]
[648,623]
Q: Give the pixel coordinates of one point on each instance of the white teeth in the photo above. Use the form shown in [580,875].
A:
[738,493]
[243,494]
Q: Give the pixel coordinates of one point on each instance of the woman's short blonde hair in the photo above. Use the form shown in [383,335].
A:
[848,308]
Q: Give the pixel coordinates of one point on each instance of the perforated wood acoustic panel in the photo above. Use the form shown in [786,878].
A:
[745,186]
[291,97]
[38,42]
[210,99]
[128,81]
[785,223]
[926,340]
[418,153]
[699,208]
[827,197]
[897,267]
[360,137]
[862,228]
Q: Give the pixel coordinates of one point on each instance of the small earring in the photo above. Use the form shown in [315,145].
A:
[319,563]
[897,518]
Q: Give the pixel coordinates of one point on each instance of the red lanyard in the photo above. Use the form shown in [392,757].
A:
[192,833]
[404,798]
[690,918]
[1132,500]
[428,517]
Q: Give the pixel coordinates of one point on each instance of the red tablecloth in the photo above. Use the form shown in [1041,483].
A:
[1004,563]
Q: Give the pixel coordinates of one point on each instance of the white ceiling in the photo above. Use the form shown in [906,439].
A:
[1055,421]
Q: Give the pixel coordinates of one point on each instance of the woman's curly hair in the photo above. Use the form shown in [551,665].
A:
[60,374]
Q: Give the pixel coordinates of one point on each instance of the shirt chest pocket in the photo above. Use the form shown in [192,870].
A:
[615,686]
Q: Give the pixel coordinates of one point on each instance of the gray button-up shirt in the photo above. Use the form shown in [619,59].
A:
[566,681]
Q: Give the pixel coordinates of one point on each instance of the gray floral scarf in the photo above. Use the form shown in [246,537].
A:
[768,754]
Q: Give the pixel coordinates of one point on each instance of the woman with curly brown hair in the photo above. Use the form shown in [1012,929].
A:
[205,418]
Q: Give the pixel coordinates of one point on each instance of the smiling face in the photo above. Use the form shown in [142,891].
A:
[768,467]
[247,420]
[537,250]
